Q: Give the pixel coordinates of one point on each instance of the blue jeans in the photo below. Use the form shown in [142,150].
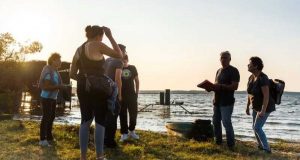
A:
[223,113]
[258,123]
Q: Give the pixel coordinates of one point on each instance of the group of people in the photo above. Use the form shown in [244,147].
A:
[89,60]
[226,82]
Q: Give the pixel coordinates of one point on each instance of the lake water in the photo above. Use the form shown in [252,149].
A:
[284,123]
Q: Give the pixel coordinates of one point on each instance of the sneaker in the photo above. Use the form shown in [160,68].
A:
[124,137]
[133,135]
[44,143]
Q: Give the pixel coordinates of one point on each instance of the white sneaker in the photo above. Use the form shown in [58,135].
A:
[44,143]
[124,137]
[133,135]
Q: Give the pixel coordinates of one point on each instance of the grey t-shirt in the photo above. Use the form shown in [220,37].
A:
[110,66]
[226,76]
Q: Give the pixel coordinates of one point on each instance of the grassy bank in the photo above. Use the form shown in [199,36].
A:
[19,140]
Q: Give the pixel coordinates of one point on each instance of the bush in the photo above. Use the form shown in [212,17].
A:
[9,102]
[12,78]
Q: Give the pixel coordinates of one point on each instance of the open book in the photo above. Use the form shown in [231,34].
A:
[207,85]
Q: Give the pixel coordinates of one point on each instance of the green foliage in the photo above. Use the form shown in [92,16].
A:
[12,81]
[9,102]
[11,50]
[11,76]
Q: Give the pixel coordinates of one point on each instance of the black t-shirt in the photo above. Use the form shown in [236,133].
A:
[226,76]
[256,95]
[128,75]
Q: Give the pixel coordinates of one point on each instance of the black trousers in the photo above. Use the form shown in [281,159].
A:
[111,124]
[131,107]
[92,104]
[48,107]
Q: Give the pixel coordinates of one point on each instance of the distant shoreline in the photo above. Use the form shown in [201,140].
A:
[187,92]
[196,92]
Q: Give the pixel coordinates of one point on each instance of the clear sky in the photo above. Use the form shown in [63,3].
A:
[173,43]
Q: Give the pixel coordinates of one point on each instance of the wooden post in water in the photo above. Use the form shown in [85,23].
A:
[167,98]
[161,98]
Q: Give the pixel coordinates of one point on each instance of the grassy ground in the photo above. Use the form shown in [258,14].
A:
[19,140]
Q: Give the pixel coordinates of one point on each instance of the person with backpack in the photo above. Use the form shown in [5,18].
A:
[89,60]
[50,83]
[261,101]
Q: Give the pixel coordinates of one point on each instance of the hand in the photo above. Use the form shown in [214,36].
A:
[261,113]
[247,111]
[208,89]
[217,87]
[60,87]
[119,97]
[107,32]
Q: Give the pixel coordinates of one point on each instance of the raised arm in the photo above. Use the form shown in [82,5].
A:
[104,49]
[116,51]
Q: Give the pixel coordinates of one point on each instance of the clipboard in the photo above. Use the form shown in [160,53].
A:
[207,85]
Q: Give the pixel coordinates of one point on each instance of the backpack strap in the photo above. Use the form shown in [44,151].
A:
[83,65]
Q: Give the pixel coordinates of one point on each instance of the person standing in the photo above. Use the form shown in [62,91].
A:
[130,91]
[226,82]
[113,69]
[89,60]
[50,82]
[261,101]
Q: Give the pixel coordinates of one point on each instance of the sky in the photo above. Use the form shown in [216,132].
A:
[174,44]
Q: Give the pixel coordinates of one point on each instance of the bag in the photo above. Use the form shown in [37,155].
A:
[98,84]
[276,89]
[202,130]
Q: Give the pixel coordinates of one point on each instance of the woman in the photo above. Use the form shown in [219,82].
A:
[89,59]
[260,100]
[50,83]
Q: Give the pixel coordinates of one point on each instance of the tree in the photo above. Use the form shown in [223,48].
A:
[11,50]
[12,82]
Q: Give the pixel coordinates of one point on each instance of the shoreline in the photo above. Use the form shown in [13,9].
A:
[238,137]
[20,140]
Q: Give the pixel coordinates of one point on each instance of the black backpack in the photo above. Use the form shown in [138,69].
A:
[276,89]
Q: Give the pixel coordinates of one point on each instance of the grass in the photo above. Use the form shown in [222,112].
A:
[19,140]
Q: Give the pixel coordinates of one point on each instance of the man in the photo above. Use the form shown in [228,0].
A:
[226,82]
[130,91]
[113,68]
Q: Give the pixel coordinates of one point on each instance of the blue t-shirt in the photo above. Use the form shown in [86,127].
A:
[51,94]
